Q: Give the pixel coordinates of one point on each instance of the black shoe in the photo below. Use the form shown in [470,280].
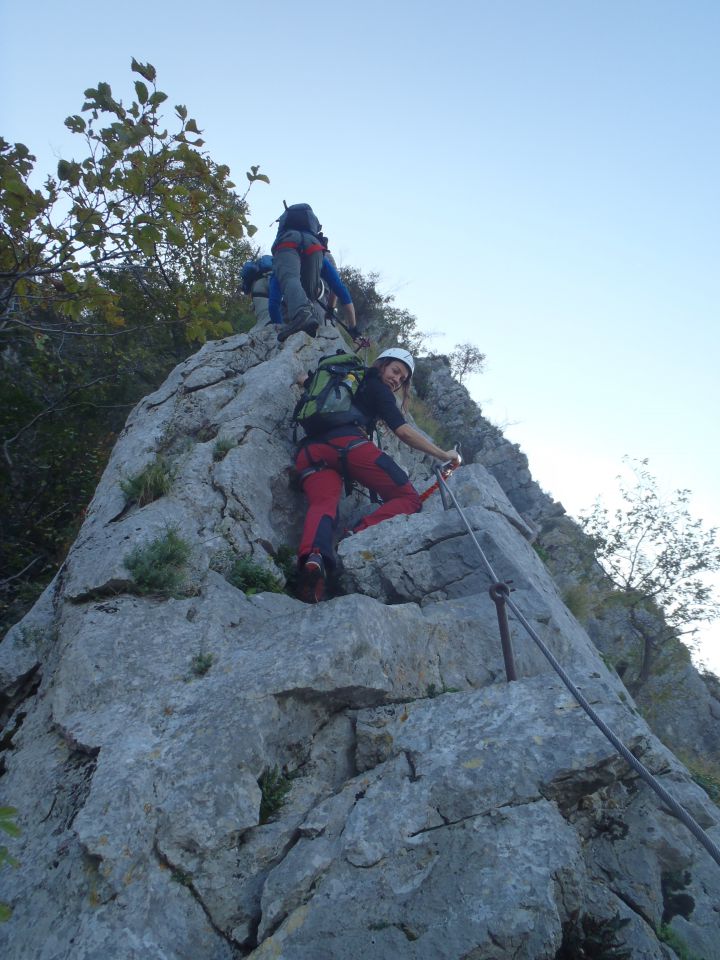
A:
[303,321]
[312,579]
[311,328]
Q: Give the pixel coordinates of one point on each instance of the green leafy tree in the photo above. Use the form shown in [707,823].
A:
[659,557]
[110,274]
[142,196]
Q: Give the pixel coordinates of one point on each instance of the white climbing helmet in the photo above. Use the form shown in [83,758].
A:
[397,353]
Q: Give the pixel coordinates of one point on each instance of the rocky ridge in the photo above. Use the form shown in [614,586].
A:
[224,774]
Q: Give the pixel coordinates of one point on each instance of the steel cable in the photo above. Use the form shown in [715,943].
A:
[676,808]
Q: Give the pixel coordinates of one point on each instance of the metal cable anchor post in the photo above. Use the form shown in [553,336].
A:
[499,592]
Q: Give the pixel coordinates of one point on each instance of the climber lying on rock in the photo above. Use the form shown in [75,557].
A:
[342,402]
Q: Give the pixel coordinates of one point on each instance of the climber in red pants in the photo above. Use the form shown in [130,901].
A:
[324,461]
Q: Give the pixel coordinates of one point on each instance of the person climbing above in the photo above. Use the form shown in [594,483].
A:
[255,281]
[334,288]
[298,260]
[343,451]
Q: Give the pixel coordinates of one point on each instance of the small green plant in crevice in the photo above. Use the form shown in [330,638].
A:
[201,663]
[285,559]
[223,445]
[205,433]
[153,482]
[159,566]
[434,691]
[274,787]
[182,877]
[667,935]
[8,826]
[251,577]
[592,938]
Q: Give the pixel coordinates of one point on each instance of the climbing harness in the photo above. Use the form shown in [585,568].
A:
[500,593]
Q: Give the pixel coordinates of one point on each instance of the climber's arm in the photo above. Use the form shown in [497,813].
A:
[413,438]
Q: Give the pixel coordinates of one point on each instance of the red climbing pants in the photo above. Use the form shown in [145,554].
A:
[320,468]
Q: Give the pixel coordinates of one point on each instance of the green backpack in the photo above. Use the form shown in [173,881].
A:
[329,395]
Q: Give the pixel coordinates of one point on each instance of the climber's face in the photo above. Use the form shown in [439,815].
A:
[394,374]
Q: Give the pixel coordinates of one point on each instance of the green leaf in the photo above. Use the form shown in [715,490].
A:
[135,183]
[181,111]
[142,91]
[146,70]
[146,238]
[253,176]
[175,236]
[63,170]
[16,187]
[76,124]
[12,829]
[157,98]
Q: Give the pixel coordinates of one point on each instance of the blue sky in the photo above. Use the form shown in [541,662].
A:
[540,178]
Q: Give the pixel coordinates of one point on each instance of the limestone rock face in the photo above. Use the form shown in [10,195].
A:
[223,774]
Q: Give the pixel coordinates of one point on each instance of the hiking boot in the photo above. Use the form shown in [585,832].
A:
[305,320]
[311,328]
[311,588]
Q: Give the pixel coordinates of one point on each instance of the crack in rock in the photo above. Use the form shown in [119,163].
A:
[185,880]
[492,812]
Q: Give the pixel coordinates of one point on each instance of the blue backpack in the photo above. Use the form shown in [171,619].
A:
[253,270]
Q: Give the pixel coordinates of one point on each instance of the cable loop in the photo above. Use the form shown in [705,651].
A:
[499,592]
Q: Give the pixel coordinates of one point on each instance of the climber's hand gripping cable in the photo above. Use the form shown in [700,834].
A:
[442,471]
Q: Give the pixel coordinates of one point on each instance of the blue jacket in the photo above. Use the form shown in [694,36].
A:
[329,275]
